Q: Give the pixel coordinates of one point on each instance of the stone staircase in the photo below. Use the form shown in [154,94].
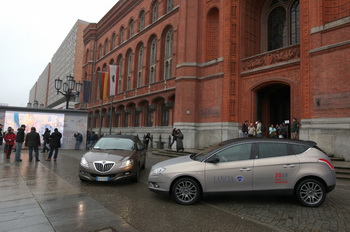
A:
[342,168]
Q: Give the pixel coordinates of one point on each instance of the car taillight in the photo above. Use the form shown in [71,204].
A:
[326,162]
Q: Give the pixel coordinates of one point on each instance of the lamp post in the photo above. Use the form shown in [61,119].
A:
[68,88]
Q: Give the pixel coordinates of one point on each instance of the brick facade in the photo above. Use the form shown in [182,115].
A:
[222,70]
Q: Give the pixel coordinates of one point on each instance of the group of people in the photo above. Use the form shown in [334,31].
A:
[177,137]
[30,140]
[274,131]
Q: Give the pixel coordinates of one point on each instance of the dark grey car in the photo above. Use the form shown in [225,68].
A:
[113,158]
[273,166]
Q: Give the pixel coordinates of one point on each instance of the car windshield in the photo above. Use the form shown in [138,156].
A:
[114,144]
[202,155]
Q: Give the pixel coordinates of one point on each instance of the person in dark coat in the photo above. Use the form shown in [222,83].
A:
[146,140]
[33,143]
[78,140]
[1,135]
[179,138]
[46,138]
[19,142]
[55,143]
[173,133]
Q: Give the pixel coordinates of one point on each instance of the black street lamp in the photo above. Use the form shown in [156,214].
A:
[68,88]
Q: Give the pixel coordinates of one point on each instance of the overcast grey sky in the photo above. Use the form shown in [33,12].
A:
[31,31]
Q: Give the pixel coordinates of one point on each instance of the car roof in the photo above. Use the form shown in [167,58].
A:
[132,137]
[273,140]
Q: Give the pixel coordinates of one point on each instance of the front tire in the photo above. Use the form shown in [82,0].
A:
[186,191]
[311,193]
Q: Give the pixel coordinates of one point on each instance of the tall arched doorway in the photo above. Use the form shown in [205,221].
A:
[273,104]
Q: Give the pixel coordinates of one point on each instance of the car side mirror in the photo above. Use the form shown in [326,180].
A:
[214,159]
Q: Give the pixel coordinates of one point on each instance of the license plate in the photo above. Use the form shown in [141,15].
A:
[102,178]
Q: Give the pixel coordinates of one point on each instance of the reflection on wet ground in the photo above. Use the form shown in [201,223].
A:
[33,198]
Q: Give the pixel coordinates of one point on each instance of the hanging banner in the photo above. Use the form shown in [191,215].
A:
[112,79]
[86,91]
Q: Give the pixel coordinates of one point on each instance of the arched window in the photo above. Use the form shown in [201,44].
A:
[142,21]
[168,54]
[106,47]
[212,38]
[154,11]
[120,75]
[170,5]
[283,24]
[121,35]
[139,67]
[129,70]
[131,28]
[100,51]
[114,38]
[153,60]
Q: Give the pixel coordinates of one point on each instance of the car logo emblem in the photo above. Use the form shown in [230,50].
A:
[239,179]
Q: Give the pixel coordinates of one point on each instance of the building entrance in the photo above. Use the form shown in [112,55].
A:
[273,104]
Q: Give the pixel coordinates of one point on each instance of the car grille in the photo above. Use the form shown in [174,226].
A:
[103,166]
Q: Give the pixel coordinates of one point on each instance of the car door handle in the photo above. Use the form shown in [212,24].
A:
[245,169]
[289,166]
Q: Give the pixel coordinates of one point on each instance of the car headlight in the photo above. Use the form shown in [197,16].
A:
[158,171]
[83,162]
[127,163]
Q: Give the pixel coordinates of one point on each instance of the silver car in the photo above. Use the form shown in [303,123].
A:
[113,158]
[273,166]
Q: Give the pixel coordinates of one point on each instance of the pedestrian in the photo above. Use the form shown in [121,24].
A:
[46,139]
[283,133]
[19,142]
[179,138]
[55,143]
[10,139]
[33,143]
[94,138]
[272,131]
[251,130]
[259,132]
[173,133]
[1,135]
[78,140]
[245,129]
[88,139]
[295,129]
[146,140]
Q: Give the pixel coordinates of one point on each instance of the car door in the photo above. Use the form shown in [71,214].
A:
[274,166]
[231,171]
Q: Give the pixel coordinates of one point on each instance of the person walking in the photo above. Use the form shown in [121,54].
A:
[55,143]
[33,143]
[295,129]
[19,142]
[78,140]
[173,133]
[272,131]
[94,138]
[46,139]
[245,129]
[1,135]
[10,139]
[251,130]
[179,138]
[146,140]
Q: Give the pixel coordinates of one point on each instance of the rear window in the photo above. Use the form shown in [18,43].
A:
[298,149]
[267,150]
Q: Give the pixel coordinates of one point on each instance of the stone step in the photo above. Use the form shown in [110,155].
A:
[343,176]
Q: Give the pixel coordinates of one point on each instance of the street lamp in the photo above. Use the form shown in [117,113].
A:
[68,88]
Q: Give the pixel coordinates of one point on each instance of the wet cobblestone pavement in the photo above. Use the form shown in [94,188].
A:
[48,196]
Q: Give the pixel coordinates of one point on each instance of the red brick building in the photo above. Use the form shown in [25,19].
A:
[206,66]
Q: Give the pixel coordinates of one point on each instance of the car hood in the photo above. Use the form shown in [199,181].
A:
[108,155]
[175,161]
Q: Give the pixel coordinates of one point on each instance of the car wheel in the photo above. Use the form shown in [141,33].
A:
[137,174]
[144,164]
[311,192]
[186,191]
